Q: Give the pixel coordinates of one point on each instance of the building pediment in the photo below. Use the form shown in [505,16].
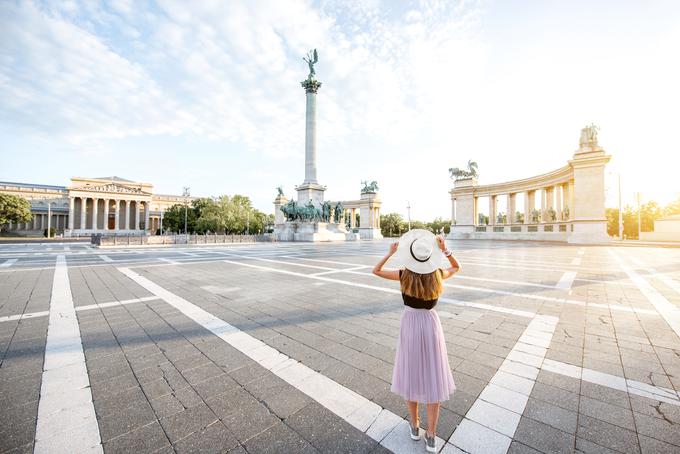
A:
[111,188]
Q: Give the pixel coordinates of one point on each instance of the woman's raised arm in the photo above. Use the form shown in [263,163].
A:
[387,274]
[455,266]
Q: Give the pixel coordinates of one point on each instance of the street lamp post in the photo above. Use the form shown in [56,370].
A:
[408,208]
[186,193]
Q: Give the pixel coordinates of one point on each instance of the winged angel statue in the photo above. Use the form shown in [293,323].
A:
[312,58]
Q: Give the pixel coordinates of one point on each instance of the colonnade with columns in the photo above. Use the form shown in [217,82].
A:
[39,222]
[92,214]
[571,202]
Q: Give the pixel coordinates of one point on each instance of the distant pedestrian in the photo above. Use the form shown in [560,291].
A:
[421,368]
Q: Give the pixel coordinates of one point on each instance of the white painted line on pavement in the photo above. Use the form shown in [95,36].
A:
[340,271]
[491,421]
[105,258]
[669,281]
[9,318]
[8,263]
[66,418]
[613,381]
[487,307]
[566,280]
[666,309]
[367,416]
[576,261]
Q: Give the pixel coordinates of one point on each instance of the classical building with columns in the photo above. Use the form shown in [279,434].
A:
[571,202]
[92,205]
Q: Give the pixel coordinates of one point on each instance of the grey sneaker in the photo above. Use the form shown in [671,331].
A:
[430,443]
[415,431]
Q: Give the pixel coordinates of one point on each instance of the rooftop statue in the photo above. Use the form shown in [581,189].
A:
[589,135]
[280,190]
[373,187]
[460,174]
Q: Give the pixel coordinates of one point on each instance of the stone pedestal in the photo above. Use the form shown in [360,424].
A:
[369,216]
[587,212]
[280,201]
[465,209]
[313,232]
[310,191]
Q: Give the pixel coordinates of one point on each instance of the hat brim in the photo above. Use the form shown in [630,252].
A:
[409,262]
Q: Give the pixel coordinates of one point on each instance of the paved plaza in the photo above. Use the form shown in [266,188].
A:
[286,348]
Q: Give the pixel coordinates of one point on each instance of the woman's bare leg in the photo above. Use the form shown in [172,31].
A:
[412,411]
[432,418]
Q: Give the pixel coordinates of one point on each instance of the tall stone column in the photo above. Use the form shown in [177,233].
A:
[116,214]
[511,208]
[127,215]
[529,205]
[83,212]
[138,213]
[71,212]
[544,207]
[492,210]
[310,188]
[558,201]
[95,214]
[147,214]
[106,214]
[453,210]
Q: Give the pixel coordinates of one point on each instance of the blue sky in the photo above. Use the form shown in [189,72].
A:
[206,94]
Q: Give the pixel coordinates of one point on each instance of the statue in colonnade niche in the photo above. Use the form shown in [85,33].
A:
[460,174]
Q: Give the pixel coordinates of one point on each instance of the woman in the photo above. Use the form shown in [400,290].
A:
[421,369]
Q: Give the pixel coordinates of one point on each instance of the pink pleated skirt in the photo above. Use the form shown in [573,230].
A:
[421,368]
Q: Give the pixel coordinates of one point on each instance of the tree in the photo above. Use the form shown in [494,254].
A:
[418,225]
[173,219]
[14,209]
[438,224]
[391,224]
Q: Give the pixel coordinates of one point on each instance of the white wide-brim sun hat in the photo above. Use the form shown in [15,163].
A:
[419,252]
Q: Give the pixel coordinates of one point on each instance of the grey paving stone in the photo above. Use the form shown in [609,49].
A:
[149,438]
[519,448]
[215,385]
[559,418]
[247,373]
[588,447]
[166,406]
[460,403]
[215,438]
[258,417]
[543,437]
[113,386]
[555,396]
[118,402]
[129,418]
[16,434]
[448,421]
[276,439]
[652,446]
[559,381]
[187,422]
[660,428]
[609,435]
[604,394]
[156,388]
[612,414]
[327,432]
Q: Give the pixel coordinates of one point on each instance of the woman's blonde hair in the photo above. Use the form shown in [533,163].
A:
[422,286]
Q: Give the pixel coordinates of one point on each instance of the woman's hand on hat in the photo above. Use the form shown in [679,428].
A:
[393,247]
[441,242]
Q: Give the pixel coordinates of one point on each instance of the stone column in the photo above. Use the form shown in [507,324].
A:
[71,212]
[95,213]
[511,208]
[106,214]
[558,201]
[127,215]
[544,197]
[147,215]
[83,212]
[453,210]
[138,214]
[311,87]
[529,205]
[353,218]
[116,214]
[492,210]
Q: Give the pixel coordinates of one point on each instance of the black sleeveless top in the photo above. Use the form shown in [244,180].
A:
[417,303]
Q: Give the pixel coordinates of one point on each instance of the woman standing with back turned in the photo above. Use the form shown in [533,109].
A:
[421,369]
